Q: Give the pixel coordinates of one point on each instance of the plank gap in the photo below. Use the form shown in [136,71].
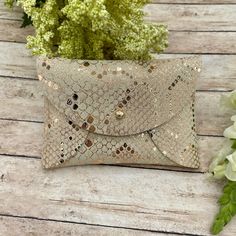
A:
[98,225]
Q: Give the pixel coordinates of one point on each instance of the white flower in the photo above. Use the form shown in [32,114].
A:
[224,164]
[230,171]
[231,131]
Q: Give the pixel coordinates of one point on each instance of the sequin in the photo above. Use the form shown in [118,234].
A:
[55,87]
[85,125]
[75,97]
[86,64]
[106,122]
[92,129]
[69,102]
[88,143]
[119,114]
[75,106]
[90,119]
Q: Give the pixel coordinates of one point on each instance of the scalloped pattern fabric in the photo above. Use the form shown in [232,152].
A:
[119,112]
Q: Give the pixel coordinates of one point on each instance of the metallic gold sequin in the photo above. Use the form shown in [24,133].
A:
[90,119]
[88,143]
[119,114]
[92,129]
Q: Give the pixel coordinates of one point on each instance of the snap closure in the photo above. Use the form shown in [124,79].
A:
[119,114]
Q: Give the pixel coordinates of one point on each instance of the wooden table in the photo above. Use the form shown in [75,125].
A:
[114,200]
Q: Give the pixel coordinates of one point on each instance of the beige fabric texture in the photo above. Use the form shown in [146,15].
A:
[119,112]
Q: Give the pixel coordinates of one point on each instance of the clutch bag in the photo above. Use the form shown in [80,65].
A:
[119,112]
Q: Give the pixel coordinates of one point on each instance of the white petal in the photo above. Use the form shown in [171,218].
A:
[232,161]
[229,173]
[219,171]
[233,118]
[230,132]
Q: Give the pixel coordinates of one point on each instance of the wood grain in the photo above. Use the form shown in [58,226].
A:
[10,30]
[23,100]
[16,60]
[112,200]
[134,198]
[6,13]
[44,227]
[202,42]
[193,17]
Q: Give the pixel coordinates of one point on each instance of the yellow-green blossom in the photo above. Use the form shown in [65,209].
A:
[9,3]
[88,29]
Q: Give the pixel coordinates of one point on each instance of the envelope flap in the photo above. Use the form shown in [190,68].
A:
[119,98]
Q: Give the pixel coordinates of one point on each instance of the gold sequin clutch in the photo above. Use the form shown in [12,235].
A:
[109,112]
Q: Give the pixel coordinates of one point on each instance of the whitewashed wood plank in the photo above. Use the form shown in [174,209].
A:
[193,17]
[23,100]
[11,30]
[16,60]
[218,73]
[26,139]
[113,196]
[202,42]
[6,13]
[211,119]
[13,226]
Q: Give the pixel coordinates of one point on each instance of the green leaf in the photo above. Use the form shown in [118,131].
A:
[232,209]
[233,196]
[234,145]
[224,199]
[26,20]
[227,210]
[217,227]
